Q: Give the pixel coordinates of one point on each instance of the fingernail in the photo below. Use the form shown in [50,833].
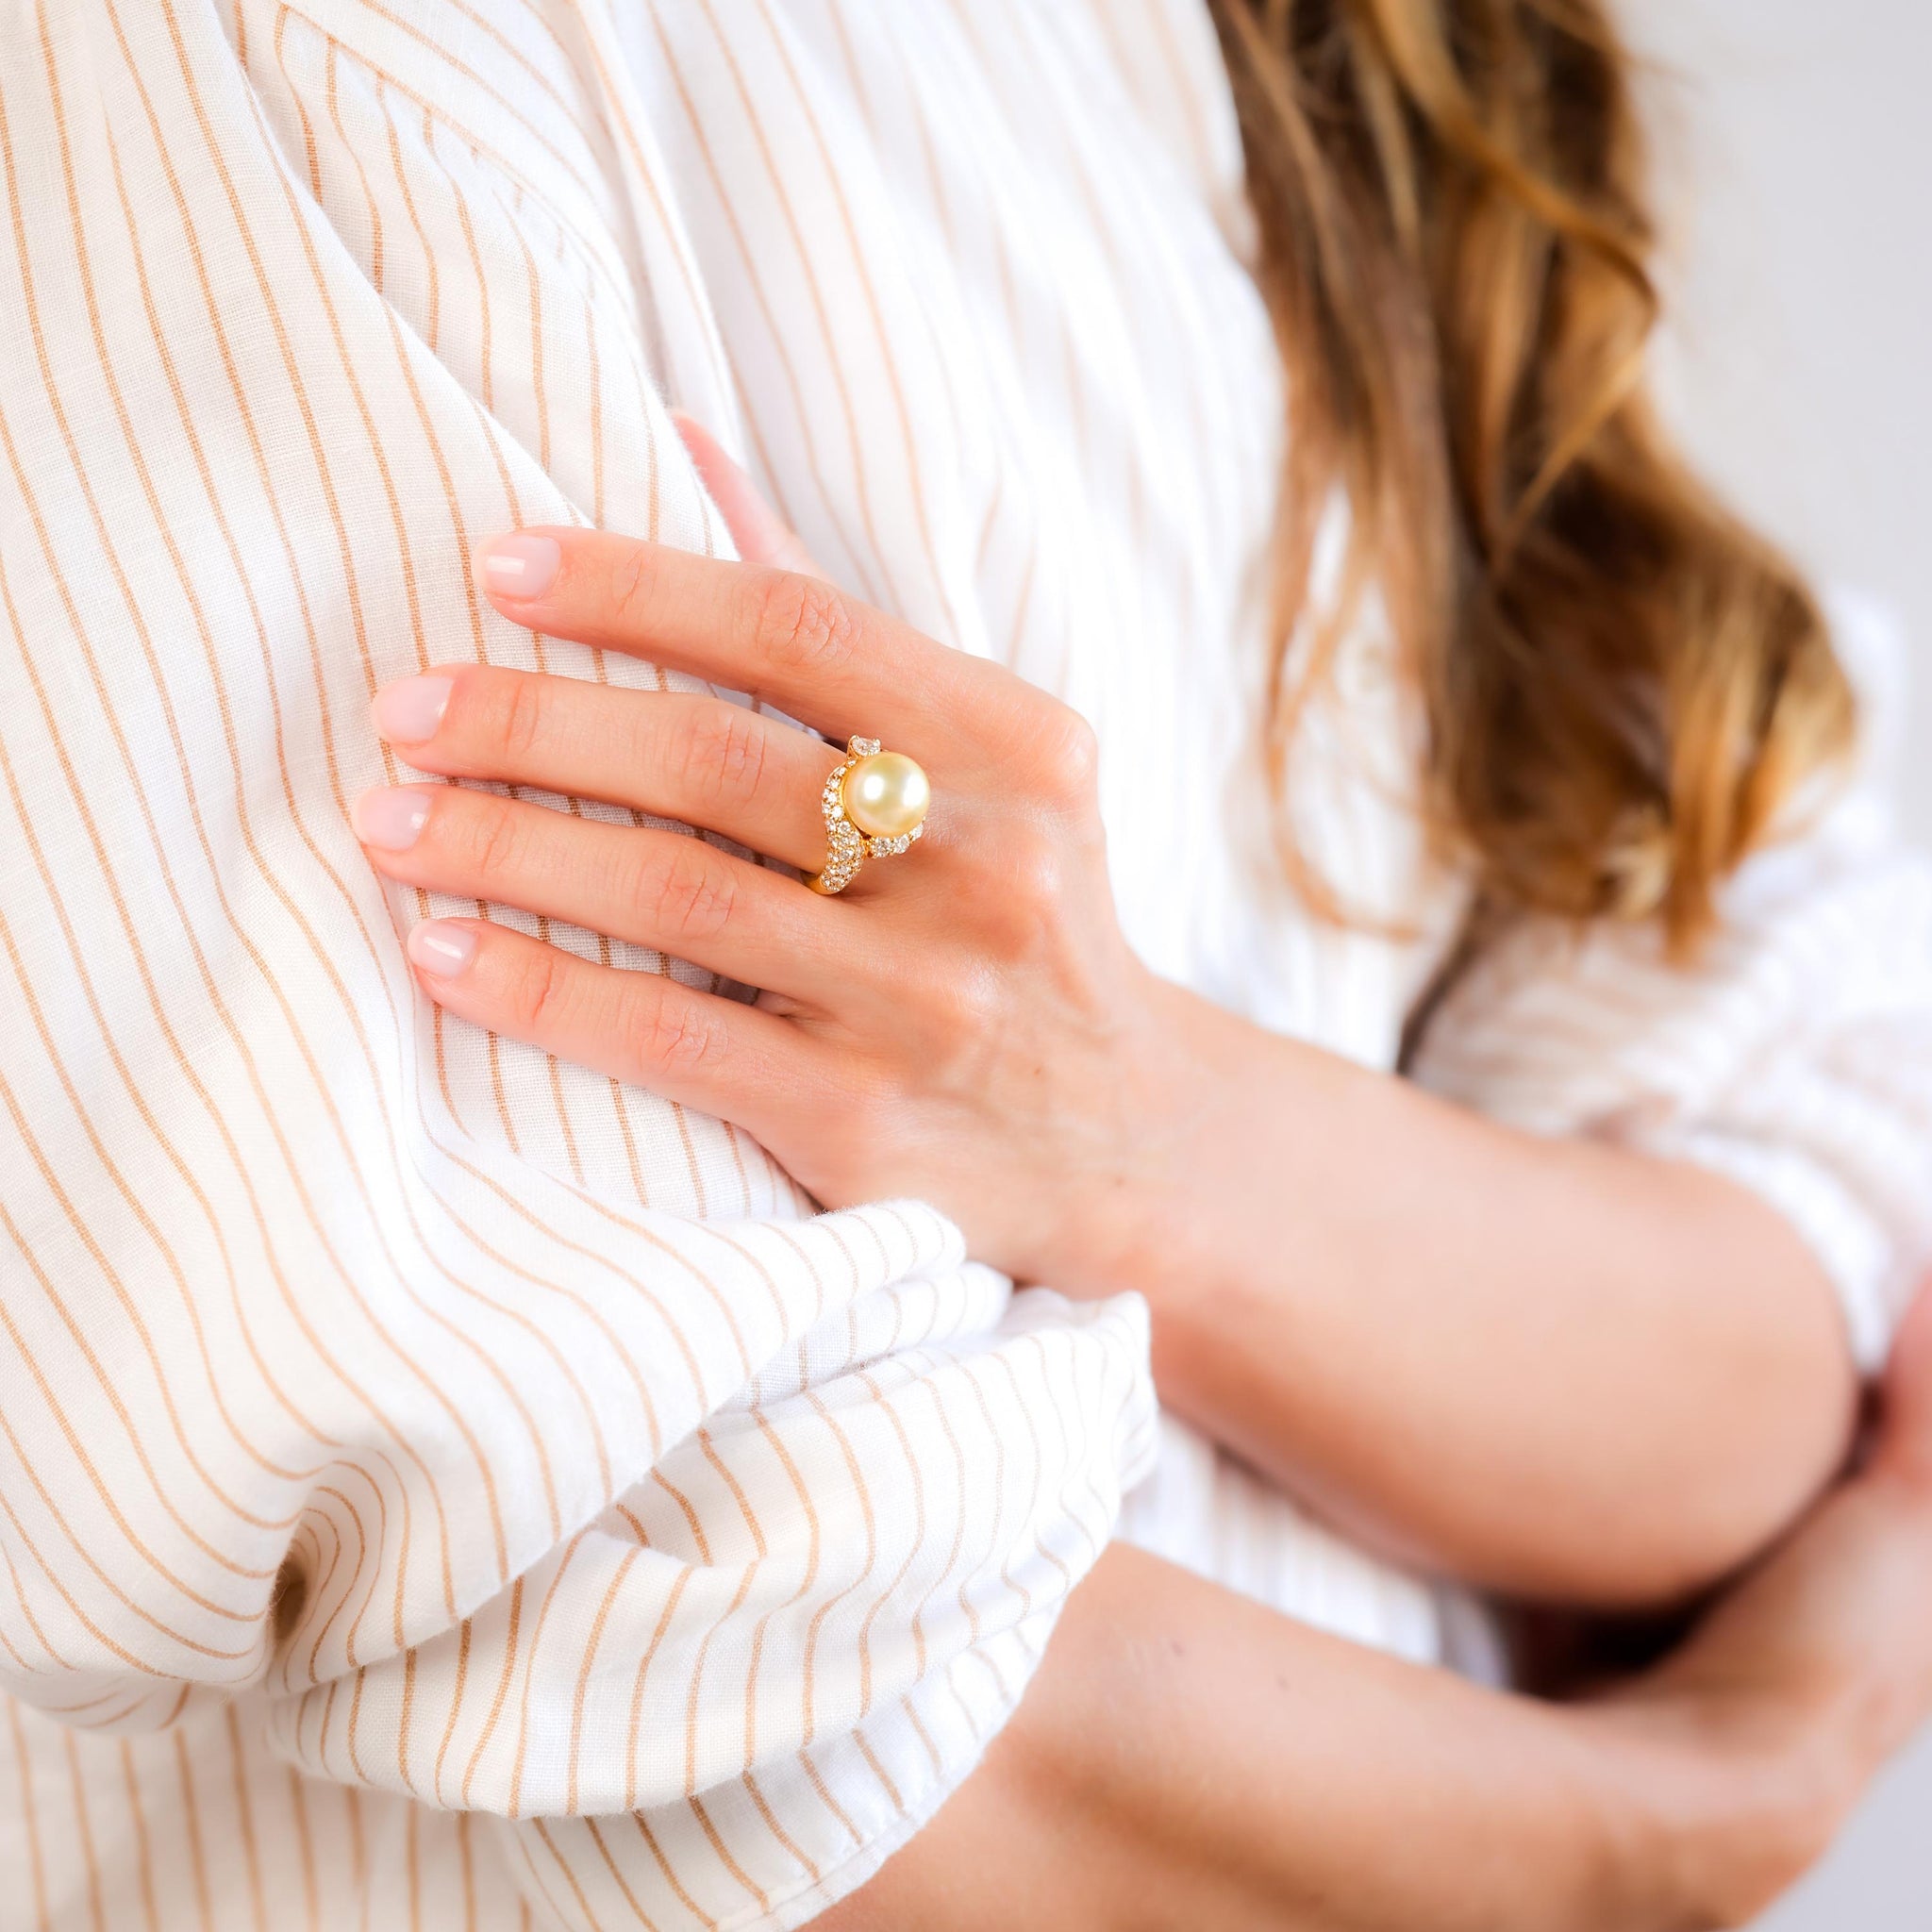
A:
[521,566]
[443,950]
[408,710]
[390,816]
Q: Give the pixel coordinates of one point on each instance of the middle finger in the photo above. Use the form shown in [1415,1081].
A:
[676,755]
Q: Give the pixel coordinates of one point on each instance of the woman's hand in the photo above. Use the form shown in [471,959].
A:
[964,1023]
[1343,1271]
[1754,1741]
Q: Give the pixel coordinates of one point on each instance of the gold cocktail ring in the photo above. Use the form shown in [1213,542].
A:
[875,805]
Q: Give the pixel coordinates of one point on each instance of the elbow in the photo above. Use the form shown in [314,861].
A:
[1739,1452]
[1660,1540]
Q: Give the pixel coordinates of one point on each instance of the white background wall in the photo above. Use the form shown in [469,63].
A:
[1796,139]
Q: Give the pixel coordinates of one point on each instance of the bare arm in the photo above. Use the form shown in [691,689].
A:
[1555,1368]
[1552,1369]
[974,1031]
[1188,1759]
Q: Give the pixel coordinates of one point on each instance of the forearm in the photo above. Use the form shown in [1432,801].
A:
[1548,1368]
[1553,1368]
[1186,1759]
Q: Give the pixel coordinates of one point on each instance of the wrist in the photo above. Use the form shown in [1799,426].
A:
[1120,1212]
[1703,1820]
[1649,1833]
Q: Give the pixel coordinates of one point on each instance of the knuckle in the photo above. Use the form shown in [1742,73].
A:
[966,1003]
[631,585]
[1034,872]
[497,839]
[803,625]
[520,716]
[672,1034]
[1026,901]
[723,754]
[540,996]
[686,895]
[1066,755]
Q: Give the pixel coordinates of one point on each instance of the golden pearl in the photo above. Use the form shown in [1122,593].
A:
[886,795]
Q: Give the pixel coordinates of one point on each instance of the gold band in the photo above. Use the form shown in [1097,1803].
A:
[848,845]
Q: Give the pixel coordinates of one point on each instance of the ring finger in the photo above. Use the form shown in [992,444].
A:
[663,889]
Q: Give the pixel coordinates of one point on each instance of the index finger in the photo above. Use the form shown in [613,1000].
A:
[828,659]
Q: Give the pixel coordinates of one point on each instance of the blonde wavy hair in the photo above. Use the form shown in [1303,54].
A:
[1622,685]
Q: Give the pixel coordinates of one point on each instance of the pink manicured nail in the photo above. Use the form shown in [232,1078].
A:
[409,711]
[521,566]
[441,949]
[391,818]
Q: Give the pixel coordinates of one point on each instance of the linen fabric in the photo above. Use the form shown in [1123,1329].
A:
[441,1487]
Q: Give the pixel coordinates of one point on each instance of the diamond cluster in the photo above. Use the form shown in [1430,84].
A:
[848,847]
[846,843]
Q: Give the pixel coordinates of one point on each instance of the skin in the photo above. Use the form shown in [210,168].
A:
[968,1020]
[1186,1759]
[1636,1390]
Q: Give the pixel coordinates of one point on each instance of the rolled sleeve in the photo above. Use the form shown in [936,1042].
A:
[1794,1054]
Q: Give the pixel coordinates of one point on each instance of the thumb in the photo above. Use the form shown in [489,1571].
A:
[760,534]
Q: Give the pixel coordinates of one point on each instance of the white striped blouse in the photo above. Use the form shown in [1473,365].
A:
[439,1487]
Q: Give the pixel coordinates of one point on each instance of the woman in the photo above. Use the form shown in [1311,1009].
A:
[702,1561]
[1625,698]
[1144,1780]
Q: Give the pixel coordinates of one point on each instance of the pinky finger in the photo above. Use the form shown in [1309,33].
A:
[711,1054]
[756,527]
